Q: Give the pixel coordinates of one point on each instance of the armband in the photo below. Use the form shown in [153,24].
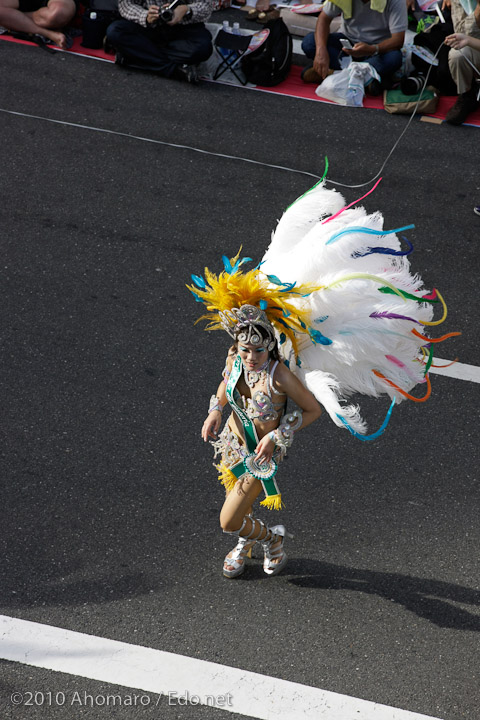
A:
[225,375]
[215,405]
[285,431]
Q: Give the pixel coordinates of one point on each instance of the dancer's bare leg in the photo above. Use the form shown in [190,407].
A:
[237,505]
[43,21]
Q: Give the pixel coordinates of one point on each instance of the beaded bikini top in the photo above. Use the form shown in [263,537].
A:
[261,405]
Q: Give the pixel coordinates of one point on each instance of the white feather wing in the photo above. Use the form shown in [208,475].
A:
[304,249]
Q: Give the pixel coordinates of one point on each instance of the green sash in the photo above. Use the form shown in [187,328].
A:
[265,472]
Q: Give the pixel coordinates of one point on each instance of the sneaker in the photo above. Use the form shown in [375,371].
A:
[186,73]
[476,210]
[120,59]
[466,103]
[309,75]
[107,47]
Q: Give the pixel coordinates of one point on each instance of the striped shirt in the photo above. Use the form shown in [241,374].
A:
[137,10]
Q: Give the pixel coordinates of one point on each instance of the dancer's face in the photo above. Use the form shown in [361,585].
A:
[253,356]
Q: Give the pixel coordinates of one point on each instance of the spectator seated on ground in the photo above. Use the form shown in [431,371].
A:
[172,49]
[375,29]
[465,46]
[38,17]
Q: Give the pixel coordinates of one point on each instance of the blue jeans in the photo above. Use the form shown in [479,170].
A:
[160,50]
[384,64]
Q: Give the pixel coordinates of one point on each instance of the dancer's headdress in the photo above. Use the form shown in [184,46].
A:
[242,301]
[244,323]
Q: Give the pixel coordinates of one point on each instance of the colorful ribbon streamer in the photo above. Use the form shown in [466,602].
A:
[332,217]
[373,436]
[402,392]
[434,340]
[368,231]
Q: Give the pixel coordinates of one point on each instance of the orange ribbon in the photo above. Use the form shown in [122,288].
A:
[402,392]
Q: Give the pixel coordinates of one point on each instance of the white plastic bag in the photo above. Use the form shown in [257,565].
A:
[335,87]
[360,74]
[347,87]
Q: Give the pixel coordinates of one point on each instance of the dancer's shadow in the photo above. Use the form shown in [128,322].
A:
[431,600]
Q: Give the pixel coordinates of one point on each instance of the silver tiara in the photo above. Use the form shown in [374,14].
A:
[242,323]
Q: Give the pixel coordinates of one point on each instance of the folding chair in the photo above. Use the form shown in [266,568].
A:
[232,48]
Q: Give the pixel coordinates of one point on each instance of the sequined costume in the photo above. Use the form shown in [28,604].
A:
[238,450]
[234,448]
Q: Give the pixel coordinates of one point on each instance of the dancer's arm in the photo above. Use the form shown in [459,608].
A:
[211,426]
[213,421]
[286,382]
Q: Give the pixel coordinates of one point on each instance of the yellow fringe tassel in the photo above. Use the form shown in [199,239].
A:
[273,502]
[226,477]
[229,480]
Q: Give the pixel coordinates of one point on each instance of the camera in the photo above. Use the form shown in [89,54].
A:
[165,14]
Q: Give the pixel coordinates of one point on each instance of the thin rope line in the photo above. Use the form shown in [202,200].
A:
[160,142]
[394,147]
[236,157]
[469,62]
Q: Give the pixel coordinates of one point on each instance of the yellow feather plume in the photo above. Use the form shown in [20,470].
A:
[282,303]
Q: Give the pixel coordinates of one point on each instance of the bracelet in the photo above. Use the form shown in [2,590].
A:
[286,430]
[225,375]
[215,405]
[377,50]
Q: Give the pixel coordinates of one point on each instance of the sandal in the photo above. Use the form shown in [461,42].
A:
[238,557]
[243,548]
[278,533]
[254,13]
[264,17]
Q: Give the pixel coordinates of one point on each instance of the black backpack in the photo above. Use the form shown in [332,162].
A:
[440,76]
[271,63]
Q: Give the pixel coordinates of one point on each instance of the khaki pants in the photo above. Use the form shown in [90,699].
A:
[463,73]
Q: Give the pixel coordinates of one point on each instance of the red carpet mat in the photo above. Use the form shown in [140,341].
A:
[293,86]
[76,48]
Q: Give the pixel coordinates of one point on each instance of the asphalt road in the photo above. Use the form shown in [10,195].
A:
[110,503]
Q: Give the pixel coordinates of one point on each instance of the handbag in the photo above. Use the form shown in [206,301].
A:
[395,101]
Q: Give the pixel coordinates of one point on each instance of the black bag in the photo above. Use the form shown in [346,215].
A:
[432,39]
[105,7]
[98,15]
[270,64]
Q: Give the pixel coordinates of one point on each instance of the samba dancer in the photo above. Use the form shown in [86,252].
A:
[346,275]
[257,385]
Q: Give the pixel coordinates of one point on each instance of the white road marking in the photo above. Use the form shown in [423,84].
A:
[459,371]
[159,672]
